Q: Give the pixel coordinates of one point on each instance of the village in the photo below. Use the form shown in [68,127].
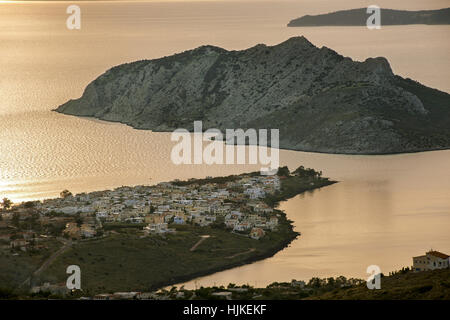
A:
[237,205]
[211,224]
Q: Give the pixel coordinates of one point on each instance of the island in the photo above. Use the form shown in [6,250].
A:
[139,239]
[358,17]
[319,100]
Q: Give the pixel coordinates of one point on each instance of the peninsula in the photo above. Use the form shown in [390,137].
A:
[145,237]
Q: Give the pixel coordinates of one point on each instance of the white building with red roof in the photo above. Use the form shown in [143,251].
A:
[431,260]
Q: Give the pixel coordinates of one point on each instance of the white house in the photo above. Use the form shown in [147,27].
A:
[101,214]
[158,228]
[179,220]
[255,193]
[69,210]
[430,261]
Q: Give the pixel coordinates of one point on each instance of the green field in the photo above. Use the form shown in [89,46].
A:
[126,262]
[17,266]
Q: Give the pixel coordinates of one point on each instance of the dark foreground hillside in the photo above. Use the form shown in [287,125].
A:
[433,285]
[404,285]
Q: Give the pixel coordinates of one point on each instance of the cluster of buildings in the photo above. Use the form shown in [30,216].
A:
[23,240]
[237,204]
[75,230]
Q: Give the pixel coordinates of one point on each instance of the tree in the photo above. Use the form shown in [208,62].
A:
[65,193]
[15,220]
[283,171]
[33,221]
[331,282]
[6,203]
[29,204]
[299,171]
[78,220]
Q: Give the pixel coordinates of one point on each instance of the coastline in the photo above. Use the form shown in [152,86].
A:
[245,261]
[248,260]
[251,259]
[413,151]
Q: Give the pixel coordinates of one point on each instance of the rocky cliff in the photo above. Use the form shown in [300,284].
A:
[320,100]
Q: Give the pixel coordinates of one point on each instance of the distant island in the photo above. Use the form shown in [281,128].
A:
[318,99]
[358,17]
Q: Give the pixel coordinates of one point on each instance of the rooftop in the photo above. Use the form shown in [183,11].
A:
[438,254]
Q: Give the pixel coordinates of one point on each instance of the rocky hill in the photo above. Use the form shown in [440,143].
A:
[358,17]
[320,100]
